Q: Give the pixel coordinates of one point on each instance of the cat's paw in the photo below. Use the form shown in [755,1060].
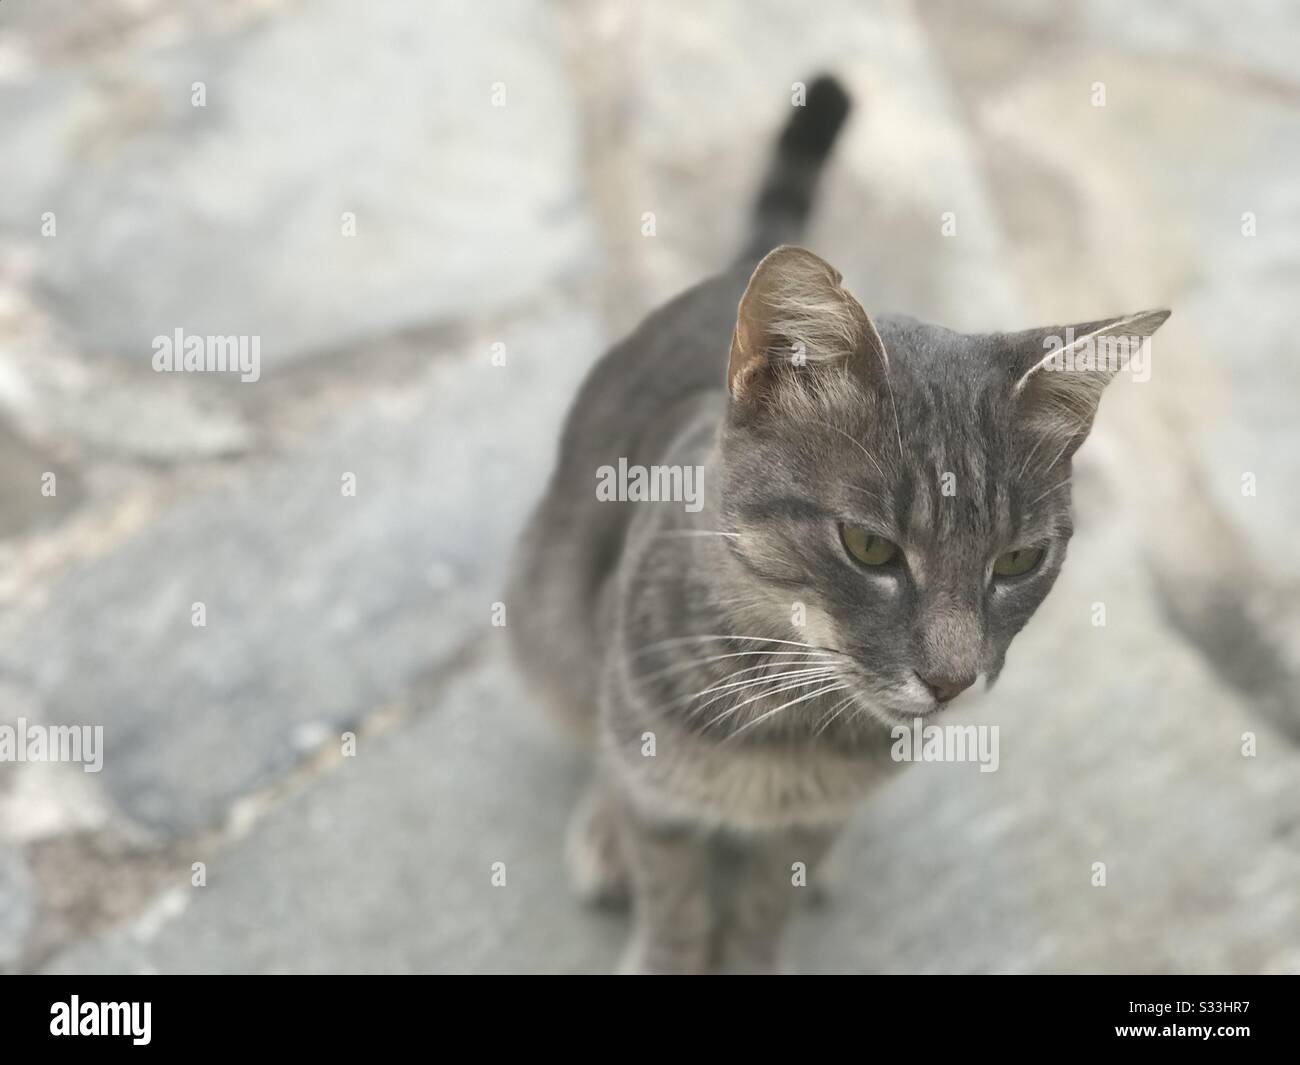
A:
[592,855]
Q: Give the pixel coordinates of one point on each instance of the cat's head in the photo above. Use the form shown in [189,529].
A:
[901,493]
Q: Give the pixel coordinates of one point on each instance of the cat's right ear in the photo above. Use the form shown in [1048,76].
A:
[796,313]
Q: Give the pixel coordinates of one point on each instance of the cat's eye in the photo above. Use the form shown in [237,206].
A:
[866,546]
[1019,562]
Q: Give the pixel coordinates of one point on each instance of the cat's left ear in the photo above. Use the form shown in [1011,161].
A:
[795,313]
[1062,372]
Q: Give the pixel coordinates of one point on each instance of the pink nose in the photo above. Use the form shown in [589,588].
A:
[945,689]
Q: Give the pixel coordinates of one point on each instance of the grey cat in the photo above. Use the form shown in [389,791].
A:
[885,504]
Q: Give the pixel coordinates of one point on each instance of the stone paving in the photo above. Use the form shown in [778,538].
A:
[486,234]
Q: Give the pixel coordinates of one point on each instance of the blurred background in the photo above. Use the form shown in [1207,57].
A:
[199,160]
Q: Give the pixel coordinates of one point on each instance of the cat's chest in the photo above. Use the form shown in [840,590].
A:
[755,787]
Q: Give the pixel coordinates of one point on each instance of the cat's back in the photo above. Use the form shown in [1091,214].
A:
[632,405]
[677,352]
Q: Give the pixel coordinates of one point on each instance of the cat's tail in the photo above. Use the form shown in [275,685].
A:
[786,196]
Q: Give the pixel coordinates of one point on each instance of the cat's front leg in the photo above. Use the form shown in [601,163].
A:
[764,874]
[673,925]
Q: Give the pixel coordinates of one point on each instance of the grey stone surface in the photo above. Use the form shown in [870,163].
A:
[319,606]
[320,887]
[17,905]
[901,163]
[23,475]
[354,874]
[226,219]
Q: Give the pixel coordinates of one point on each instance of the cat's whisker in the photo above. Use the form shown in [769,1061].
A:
[786,667]
[833,713]
[898,429]
[770,713]
[810,675]
[1028,458]
[804,656]
[776,665]
[761,695]
[804,684]
[1064,448]
[861,708]
[811,663]
[865,492]
[699,532]
[728,688]
[679,640]
[1050,491]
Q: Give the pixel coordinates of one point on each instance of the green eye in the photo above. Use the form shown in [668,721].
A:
[866,546]
[1019,562]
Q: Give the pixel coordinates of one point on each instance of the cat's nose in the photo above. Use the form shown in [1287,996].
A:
[946,689]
